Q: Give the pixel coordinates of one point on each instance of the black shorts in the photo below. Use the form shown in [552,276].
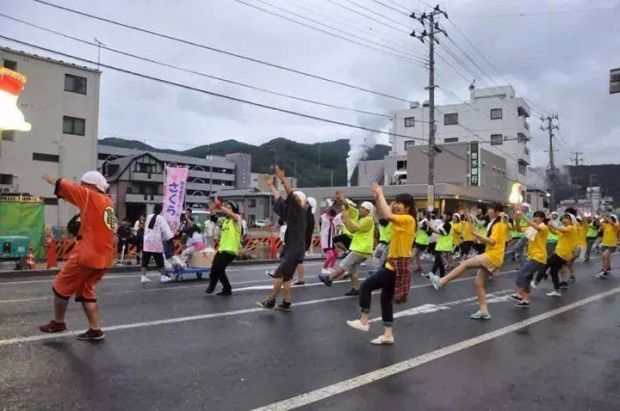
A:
[288,265]
[479,248]
[466,247]
[421,247]
[431,247]
[158,257]
[344,240]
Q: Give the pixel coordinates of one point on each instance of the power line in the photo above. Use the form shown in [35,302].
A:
[392,8]
[199,90]
[376,13]
[399,54]
[202,74]
[540,13]
[222,51]
[400,30]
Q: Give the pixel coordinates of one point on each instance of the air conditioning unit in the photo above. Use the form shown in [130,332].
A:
[5,188]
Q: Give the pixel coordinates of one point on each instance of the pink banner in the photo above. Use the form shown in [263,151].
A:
[174,195]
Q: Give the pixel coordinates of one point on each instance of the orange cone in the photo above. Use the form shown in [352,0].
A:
[30,260]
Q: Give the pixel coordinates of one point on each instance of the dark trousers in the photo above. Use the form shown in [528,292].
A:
[438,265]
[385,280]
[589,249]
[218,270]
[554,264]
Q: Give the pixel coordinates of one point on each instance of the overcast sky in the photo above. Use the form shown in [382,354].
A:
[559,60]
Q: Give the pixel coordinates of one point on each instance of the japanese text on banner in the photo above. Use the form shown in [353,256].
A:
[174,195]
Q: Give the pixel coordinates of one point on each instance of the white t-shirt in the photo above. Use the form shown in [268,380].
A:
[210,228]
[282,232]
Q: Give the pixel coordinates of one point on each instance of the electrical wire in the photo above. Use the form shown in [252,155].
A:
[221,51]
[199,90]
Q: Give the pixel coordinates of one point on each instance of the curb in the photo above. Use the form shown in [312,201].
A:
[124,269]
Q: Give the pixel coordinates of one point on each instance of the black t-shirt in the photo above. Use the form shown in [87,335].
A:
[309,227]
[296,218]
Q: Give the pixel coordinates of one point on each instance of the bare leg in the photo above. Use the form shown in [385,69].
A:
[336,274]
[92,313]
[286,291]
[300,272]
[388,334]
[277,285]
[365,318]
[459,270]
[60,308]
[355,281]
[480,292]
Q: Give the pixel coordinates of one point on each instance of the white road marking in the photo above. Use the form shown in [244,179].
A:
[381,373]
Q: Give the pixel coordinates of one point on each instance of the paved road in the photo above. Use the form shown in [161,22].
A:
[169,346]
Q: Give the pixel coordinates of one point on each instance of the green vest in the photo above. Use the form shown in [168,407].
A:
[354,214]
[230,240]
[363,242]
[592,231]
[421,237]
[552,238]
[519,233]
[444,243]
[385,233]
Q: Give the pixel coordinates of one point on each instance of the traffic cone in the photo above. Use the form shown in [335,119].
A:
[30,260]
[51,253]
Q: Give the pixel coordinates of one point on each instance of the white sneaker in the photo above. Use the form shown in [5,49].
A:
[326,271]
[533,285]
[382,340]
[358,325]
[145,279]
[165,279]
[553,294]
[426,275]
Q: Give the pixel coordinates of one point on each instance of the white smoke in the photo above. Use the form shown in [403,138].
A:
[358,151]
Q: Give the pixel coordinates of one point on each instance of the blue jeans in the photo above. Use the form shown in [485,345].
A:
[526,274]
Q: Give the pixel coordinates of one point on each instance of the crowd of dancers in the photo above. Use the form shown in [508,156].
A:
[390,236]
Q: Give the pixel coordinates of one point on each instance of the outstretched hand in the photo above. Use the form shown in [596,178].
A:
[49,178]
[280,174]
[268,180]
[377,190]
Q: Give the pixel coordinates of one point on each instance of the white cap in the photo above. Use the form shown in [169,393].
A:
[300,196]
[368,206]
[312,203]
[97,179]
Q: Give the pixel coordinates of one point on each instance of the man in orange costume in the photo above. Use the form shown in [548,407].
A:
[92,255]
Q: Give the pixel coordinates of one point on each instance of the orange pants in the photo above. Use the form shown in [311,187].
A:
[77,279]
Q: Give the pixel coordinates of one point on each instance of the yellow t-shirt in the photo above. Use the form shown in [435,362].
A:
[468,232]
[610,234]
[403,234]
[582,239]
[537,248]
[457,231]
[567,242]
[495,253]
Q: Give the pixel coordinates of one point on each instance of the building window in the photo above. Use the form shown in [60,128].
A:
[451,140]
[53,158]
[496,114]
[75,84]
[145,168]
[401,165]
[6,179]
[408,144]
[522,138]
[8,135]
[73,125]
[522,168]
[252,203]
[409,121]
[450,119]
[10,64]
[497,139]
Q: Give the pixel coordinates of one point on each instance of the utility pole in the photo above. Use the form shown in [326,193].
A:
[99,44]
[552,171]
[431,28]
[577,158]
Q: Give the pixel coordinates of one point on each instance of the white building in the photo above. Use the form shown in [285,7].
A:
[494,116]
[61,100]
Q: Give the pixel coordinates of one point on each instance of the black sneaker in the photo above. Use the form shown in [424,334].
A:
[299,283]
[268,303]
[572,278]
[91,335]
[353,292]
[325,280]
[516,297]
[284,306]
[270,274]
[563,285]
[210,290]
[226,293]
[522,304]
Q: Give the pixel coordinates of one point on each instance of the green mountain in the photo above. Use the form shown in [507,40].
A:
[312,164]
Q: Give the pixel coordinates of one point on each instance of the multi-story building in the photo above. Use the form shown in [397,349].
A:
[495,117]
[136,177]
[61,100]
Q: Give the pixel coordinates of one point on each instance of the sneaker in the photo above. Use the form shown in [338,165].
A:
[553,293]
[299,283]
[563,285]
[165,279]
[284,306]
[358,325]
[53,327]
[603,274]
[91,335]
[382,340]
[145,279]
[516,297]
[522,304]
[325,280]
[572,278]
[426,275]
[435,281]
[479,315]
[270,274]
[326,271]
[225,293]
[268,303]
[353,292]
[210,290]
[534,285]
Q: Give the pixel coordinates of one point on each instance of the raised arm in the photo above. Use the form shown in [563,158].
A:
[274,191]
[282,177]
[383,208]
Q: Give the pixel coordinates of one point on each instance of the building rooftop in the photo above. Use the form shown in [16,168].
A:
[217,161]
[48,59]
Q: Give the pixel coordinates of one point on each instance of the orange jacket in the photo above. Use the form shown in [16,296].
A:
[95,245]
